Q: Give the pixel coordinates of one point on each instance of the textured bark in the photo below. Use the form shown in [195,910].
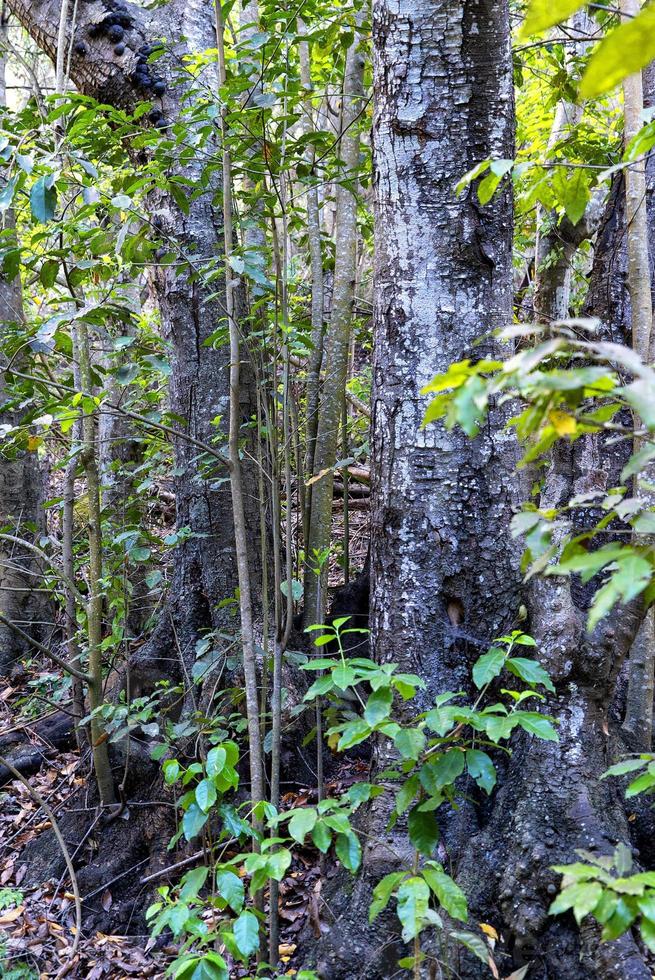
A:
[557,240]
[337,343]
[444,576]
[552,800]
[441,502]
[205,569]
[21,485]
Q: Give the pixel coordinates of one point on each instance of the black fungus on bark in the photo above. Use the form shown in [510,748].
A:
[119,49]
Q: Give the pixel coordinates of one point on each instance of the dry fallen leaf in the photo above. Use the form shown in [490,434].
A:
[11,916]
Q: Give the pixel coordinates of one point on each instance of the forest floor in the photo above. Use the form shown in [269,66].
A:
[37,923]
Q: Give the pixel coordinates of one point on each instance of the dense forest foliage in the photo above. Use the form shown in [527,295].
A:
[327,503]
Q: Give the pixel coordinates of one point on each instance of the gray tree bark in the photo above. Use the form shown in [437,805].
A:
[444,574]
[205,568]
[21,485]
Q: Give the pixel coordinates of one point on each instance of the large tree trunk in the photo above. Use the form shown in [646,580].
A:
[552,801]
[444,575]
[205,569]
[21,483]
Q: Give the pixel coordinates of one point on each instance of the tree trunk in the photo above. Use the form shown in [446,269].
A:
[21,484]
[205,568]
[337,345]
[444,579]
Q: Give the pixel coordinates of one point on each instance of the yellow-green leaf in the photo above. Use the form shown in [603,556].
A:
[626,50]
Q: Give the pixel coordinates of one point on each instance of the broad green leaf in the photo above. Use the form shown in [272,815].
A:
[423,831]
[413,904]
[7,193]
[210,966]
[572,189]
[410,742]
[641,784]
[230,887]
[343,677]
[321,836]
[278,863]
[348,850]
[488,666]
[246,933]
[383,892]
[378,705]
[620,921]
[192,882]
[582,897]
[43,199]
[442,771]
[449,895]
[481,769]
[354,733]
[536,724]
[301,823]
[206,795]
[647,929]
[193,821]
[216,759]
[626,50]
[622,768]
[474,943]
[529,671]
[406,793]
[543,14]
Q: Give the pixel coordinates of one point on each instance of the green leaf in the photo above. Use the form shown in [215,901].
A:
[192,882]
[481,769]
[246,933]
[536,724]
[278,863]
[474,943]
[413,904]
[343,676]
[206,795]
[349,850]
[620,921]
[626,50]
[449,895]
[230,887]
[322,837]
[543,14]
[423,831]
[354,733]
[43,199]
[216,759]
[641,784]
[378,705]
[530,671]
[383,892]
[572,189]
[488,666]
[7,194]
[582,897]
[622,768]
[406,793]
[647,929]
[193,821]
[211,966]
[442,771]
[301,823]
[410,742]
